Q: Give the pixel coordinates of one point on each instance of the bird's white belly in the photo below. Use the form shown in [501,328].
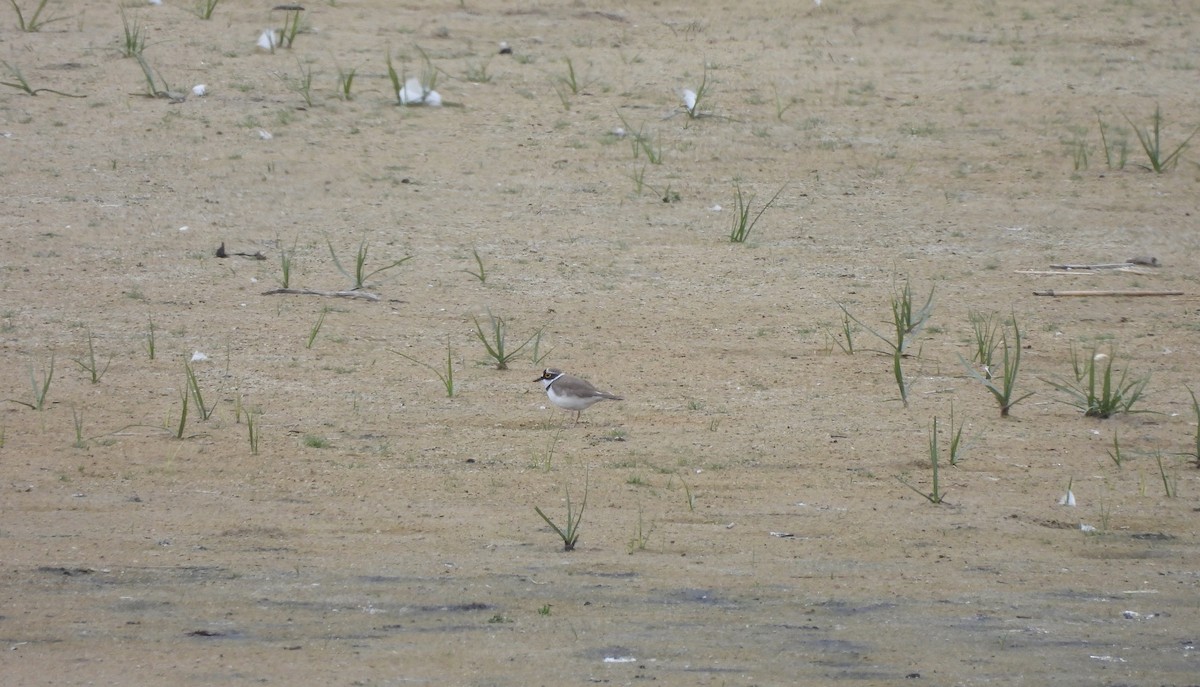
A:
[570,402]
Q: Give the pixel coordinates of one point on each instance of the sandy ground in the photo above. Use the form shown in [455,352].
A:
[747,518]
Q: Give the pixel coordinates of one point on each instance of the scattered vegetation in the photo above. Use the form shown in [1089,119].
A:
[183,412]
[40,390]
[1170,486]
[446,375]
[134,39]
[1115,453]
[345,82]
[477,72]
[641,143]
[641,533]
[987,331]
[935,495]
[22,85]
[358,278]
[742,226]
[1151,140]
[480,272]
[1195,452]
[88,362]
[291,23]
[687,492]
[569,81]
[957,448]
[149,340]
[847,335]
[1094,391]
[205,8]
[907,323]
[301,84]
[156,85]
[1116,153]
[985,346]
[253,429]
[285,266]
[316,328]
[693,101]
[77,422]
[495,340]
[34,21]
[570,533]
[193,386]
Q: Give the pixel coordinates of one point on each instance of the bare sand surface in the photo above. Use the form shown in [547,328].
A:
[749,518]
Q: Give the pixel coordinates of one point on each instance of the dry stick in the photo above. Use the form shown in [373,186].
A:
[1106,266]
[1081,273]
[330,294]
[1107,293]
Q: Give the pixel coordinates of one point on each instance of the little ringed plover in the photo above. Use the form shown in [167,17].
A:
[572,393]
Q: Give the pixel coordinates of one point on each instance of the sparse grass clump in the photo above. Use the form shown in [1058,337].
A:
[1151,139]
[480,272]
[22,85]
[907,323]
[205,8]
[360,275]
[444,375]
[253,430]
[301,84]
[936,495]
[494,340]
[693,101]
[149,343]
[1195,452]
[34,21]
[40,390]
[286,257]
[743,225]
[316,328]
[570,533]
[291,23]
[314,441]
[1094,391]
[88,362]
[1004,390]
[988,333]
[193,387]
[134,39]
[346,81]
[156,84]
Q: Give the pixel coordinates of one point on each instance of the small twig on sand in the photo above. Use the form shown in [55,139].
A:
[365,295]
[1083,273]
[222,253]
[1106,266]
[1107,293]
[1144,260]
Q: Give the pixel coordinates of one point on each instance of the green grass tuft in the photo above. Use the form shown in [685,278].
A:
[570,533]
[1094,391]
[495,340]
[1151,140]
[743,225]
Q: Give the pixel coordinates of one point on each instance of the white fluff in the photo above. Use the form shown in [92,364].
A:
[414,93]
[198,357]
[199,90]
[268,39]
[1068,499]
[155,2]
[264,134]
[689,99]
